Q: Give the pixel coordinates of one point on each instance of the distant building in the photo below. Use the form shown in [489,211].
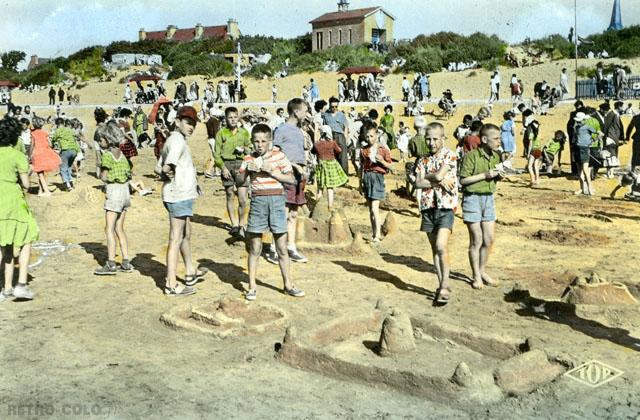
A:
[136,59]
[172,33]
[36,61]
[371,25]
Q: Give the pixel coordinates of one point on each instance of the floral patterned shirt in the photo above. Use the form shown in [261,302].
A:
[438,197]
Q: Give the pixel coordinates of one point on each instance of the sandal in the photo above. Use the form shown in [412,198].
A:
[193,279]
[440,298]
[173,291]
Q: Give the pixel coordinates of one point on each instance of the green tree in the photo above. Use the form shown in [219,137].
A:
[11,59]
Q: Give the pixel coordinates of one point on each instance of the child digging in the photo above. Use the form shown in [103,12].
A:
[267,170]
[329,173]
[115,172]
[375,162]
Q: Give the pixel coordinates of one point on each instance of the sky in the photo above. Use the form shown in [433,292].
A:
[51,28]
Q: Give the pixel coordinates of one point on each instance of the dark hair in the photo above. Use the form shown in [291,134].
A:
[100,115]
[229,110]
[369,125]
[389,107]
[279,109]
[618,104]
[507,115]
[527,112]
[578,104]
[467,117]
[59,121]
[10,130]
[476,125]
[260,128]
[488,127]
[320,104]
[333,99]
[560,133]
[521,107]
[294,104]
[25,121]
[626,180]
[373,114]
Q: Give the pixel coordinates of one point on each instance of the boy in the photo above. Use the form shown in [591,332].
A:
[232,145]
[180,188]
[375,162]
[268,170]
[64,139]
[437,177]
[478,177]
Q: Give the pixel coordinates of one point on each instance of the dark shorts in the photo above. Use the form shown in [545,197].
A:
[537,153]
[373,185]
[434,219]
[582,155]
[179,209]
[267,213]
[233,166]
[295,192]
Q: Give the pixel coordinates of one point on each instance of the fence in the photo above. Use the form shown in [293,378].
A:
[588,89]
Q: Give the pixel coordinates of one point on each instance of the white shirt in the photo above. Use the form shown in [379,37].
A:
[405,85]
[183,186]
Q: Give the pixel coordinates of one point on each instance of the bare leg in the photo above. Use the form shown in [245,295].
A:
[122,236]
[530,163]
[283,259]
[292,223]
[330,195]
[536,170]
[176,234]
[230,206]
[185,247]
[110,231]
[255,247]
[8,262]
[242,205]
[488,229]
[44,187]
[374,215]
[23,263]
[475,243]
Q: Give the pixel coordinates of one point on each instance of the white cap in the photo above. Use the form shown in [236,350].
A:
[326,130]
[580,116]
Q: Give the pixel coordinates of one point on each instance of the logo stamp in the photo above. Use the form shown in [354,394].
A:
[594,373]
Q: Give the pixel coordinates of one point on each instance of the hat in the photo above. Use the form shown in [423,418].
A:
[580,116]
[419,122]
[326,130]
[187,112]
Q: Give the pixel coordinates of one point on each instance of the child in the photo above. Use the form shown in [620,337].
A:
[402,141]
[115,173]
[508,138]
[24,142]
[329,173]
[630,179]
[534,154]
[79,132]
[18,228]
[64,139]
[376,161]
[553,148]
[267,170]
[180,188]
[43,158]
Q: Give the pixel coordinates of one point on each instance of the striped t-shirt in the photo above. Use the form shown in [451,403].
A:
[261,182]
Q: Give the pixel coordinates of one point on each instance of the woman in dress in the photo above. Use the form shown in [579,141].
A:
[18,228]
[43,158]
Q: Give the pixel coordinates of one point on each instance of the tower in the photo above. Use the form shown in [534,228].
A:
[343,5]
[616,17]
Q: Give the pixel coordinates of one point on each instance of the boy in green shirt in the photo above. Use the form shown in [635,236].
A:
[233,143]
[64,140]
[481,169]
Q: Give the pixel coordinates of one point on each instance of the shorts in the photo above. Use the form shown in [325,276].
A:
[582,155]
[478,208]
[536,153]
[267,213]
[434,219]
[373,185]
[295,192]
[179,209]
[233,166]
[118,198]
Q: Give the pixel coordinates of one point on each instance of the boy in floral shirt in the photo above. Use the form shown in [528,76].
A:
[436,176]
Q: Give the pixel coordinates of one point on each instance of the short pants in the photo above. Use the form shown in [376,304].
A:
[118,198]
[582,156]
[295,192]
[179,209]
[267,213]
[373,185]
[478,208]
[434,219]
[233,166]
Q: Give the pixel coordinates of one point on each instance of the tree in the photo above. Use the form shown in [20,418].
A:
[11,59]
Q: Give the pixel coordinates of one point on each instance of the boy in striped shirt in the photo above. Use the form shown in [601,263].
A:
[268,169]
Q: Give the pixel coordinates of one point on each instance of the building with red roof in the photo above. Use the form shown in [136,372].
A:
[371,25]
[173,33]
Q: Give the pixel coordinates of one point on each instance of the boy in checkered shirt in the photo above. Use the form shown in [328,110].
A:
[267,169]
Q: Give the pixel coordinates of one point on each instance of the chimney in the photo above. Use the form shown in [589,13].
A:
[142,34]
[171,31]
[199,31]
[233,31]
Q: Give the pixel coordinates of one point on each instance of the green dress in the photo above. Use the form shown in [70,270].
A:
[386,123]
[17,224]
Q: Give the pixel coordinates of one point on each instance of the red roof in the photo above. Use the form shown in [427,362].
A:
[348,15]
[361,70]
[8,83]
[188,34]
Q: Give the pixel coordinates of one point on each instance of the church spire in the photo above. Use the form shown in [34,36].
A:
[616,17]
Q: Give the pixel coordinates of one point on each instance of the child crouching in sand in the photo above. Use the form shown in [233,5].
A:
[115,172]
[268,170]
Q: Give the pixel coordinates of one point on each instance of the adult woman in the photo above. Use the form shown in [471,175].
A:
[43,158]
[18,228]
[386,123]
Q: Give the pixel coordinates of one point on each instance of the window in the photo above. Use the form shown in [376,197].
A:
[350,41]
[339,36]
[318,40]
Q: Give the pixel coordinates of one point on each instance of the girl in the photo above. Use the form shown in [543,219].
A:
[79,130]
[376,162]
[18,228]
[386,123]
[115,173]
[553,148]
[64,139]
[24,142]
[534,154]
[508,138]
[403,142]
[329,173]
[43,158]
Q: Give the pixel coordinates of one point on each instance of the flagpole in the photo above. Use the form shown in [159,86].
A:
[575,40]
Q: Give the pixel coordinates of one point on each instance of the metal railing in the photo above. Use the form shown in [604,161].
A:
[589,89]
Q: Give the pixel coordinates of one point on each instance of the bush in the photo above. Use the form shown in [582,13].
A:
[42,75]
[557,46]
[185,65]
[87,65]
[491,64]
[590,72]
[425,59]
